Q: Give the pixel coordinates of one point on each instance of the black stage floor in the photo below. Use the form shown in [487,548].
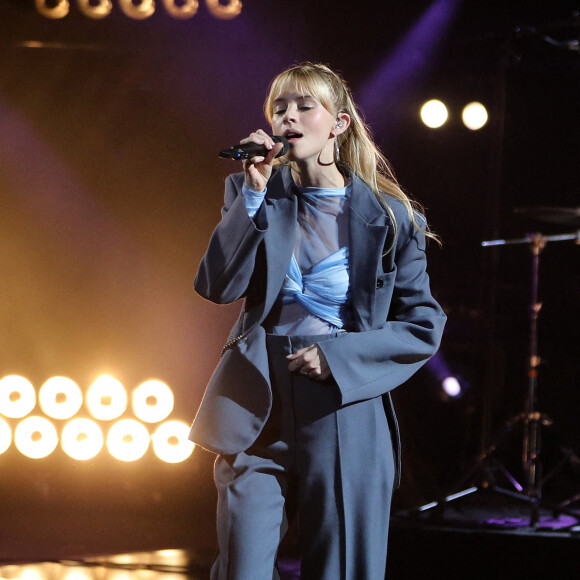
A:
[478,540]
[157,523]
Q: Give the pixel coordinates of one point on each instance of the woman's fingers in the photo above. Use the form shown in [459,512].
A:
[259,168]
[309,361]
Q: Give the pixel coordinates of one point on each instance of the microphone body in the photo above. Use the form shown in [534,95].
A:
[249,150]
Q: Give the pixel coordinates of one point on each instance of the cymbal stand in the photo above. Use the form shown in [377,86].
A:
[530,489]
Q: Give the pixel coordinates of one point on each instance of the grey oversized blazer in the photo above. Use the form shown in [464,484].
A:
[397,322]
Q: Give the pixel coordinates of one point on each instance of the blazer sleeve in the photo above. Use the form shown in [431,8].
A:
[370,363]
[228,263]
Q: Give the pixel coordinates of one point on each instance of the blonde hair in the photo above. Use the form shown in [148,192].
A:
[358,152]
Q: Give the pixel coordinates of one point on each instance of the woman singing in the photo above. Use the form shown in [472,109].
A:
[329,255]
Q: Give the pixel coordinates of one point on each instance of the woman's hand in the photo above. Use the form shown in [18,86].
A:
[309,361]
[258,169]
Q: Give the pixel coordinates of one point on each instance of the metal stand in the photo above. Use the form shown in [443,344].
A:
[530,490]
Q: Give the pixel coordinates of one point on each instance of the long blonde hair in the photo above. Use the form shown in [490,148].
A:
[358,152]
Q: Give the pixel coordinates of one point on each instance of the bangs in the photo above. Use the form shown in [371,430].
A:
[304,80]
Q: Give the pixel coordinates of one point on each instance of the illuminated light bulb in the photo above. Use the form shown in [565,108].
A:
[106,398]
[474,116]
[5,436]
[152,401]
[35,437]
[17,397]
[451,386]
[128,440]
[82,439]
[434,114]
[171,443]
[60,398]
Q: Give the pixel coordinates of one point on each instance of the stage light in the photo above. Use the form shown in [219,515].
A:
[128,440]
[17,397]
[451,386]
[82,439]
[5,436]
[106,398]
[474,116]
[449,381]
[224,11]
[152,401]
[60,398]
[171,443]
[35,437]
[434,114]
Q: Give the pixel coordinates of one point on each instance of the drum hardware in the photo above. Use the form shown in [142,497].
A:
[532,420]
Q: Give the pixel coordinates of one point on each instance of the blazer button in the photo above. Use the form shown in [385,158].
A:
[379,283]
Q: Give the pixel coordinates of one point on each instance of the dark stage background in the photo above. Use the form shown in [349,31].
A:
[110,186]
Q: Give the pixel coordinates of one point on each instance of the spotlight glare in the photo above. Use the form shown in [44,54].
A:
[152,401]
[474,116]
[79,574]
[82,439]
[434,114]
[17,397]
[60,398]
[451,386]
[35,437]
[171,443]
[106,398]
[128,440]
[5,436]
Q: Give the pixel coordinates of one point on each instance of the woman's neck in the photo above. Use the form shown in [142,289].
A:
[324,177]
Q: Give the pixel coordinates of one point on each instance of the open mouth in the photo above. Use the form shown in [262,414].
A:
[292,135]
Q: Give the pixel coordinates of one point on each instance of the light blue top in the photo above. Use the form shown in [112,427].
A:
[314,298]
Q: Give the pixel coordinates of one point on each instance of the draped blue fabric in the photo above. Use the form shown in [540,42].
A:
[323,290]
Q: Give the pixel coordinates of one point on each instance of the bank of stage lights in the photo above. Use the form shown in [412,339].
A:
[36,423]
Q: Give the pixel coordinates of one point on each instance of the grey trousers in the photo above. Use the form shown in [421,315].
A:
[333,463]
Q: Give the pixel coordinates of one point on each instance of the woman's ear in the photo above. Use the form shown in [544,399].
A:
[342,123]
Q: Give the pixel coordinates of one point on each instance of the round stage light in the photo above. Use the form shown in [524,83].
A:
[152,401]
[434,114]
[60,398]
[82,439]
[35,437]
[224,11]
[106,398]
[17,397]
[474,116]
[5,436]
[451,386]
[128,440]
[171,443]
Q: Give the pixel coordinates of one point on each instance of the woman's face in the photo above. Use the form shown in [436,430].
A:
[308,126]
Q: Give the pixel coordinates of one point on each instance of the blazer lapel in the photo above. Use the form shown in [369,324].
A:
[369,224]
[282,208]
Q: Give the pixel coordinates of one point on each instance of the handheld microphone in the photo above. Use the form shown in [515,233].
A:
[249,150]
